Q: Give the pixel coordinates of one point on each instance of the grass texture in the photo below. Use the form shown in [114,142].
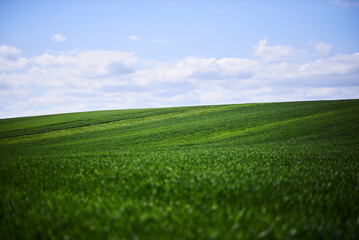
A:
[248,171]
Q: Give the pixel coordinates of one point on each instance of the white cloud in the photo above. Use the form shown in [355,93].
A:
[134,37]
[10,53]
[89,80]
[323,48]
[89,64]
[272,53]
[59,38]
[336,65]
[10,59]
[221,11]
[211,68]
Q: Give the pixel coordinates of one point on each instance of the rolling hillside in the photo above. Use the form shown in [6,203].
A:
[271,170]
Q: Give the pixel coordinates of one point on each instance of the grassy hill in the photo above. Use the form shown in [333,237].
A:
[249,171]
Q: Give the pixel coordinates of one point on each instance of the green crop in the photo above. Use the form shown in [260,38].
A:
[249,171]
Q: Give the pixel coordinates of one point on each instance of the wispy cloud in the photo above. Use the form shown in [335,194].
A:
[323,48]
[59,38]
[345,3]
[156,40]
[134,37]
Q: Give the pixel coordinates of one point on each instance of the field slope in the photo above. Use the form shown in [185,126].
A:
[249,171]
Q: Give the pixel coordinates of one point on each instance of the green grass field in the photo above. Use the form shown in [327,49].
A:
[249,171]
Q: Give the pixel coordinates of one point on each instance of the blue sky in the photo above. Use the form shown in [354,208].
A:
[92,55]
